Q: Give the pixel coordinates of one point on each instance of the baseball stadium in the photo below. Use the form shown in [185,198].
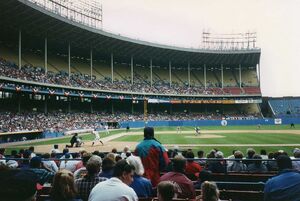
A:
[65,80]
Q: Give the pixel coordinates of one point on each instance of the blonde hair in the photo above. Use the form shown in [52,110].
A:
[63,187]
[210,191]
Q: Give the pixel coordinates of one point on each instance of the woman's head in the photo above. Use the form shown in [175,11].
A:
[63,187]
[165,191]
[137,163]
[210,191]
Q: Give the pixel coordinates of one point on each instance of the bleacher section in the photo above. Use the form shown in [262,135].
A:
[285,107]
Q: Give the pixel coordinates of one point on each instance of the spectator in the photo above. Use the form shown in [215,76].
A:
[153,154]
[200,154]
[3,161]
[32,154]
[117,187]
[218,166]
[42,174]
[81,172]
[257,165]
[209,191]
[17,185]
[237,165]
[141,185]
[86,184]
[250,154]
[192,168]
[107,168]
[286,185]
[184,187]
[165,191]
[296,162]
[55,149]
[49,164]
[63,187]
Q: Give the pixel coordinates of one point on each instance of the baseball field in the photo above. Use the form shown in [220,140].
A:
[226,139]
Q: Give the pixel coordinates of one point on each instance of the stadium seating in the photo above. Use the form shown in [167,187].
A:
[285,107]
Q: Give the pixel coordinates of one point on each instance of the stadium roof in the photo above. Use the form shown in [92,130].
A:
[36,23]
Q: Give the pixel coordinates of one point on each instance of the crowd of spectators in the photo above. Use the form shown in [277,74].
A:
[83,172]
[141,83]
[59,121]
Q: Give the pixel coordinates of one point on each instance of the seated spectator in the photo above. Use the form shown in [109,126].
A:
[200,154]
[49,164]
[69,164]
[257,166]
[17,185]
[263,154]
[116,188]
[209,191]
[42,174]
[55,149]
[192,168]
[141,185]
[271,165]
[218,166]
[286,185]
[250,154]
[165,191]
[63,187]
[86,184]
[13,163]
[237,165]
[107,168]
[81,172]
[204,175]
[3,161]
[296,162]
[184,187]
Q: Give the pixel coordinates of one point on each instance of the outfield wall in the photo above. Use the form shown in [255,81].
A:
[266,121]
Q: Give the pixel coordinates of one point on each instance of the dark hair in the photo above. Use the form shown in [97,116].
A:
[190,156]
[31,149]
[107,164]
[85,158]
[148,132]
[200,153]
[2,150]
[17,185]
[65,150]
[55,146]
[284,162]
[122,166]
[166,190]
[179,163]
[263,152]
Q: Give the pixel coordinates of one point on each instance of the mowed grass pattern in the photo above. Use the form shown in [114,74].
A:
[227,138]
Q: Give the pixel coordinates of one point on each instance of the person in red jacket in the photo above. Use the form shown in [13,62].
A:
[184,187]
[192,168]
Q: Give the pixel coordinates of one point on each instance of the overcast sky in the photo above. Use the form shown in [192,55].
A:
[181,22]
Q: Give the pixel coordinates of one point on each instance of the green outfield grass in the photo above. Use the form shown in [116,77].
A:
[226,138]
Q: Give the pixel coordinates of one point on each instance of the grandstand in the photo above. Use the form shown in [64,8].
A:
[285,107]
[69,71]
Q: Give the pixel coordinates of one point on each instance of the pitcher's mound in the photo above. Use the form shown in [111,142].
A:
[205,136]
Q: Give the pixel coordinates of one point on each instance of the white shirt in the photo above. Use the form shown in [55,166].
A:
[69,165]
[112,190]
[51,165]
[96,133]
